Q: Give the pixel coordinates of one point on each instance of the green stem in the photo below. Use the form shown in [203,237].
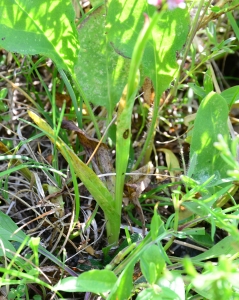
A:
[135,255]
[123,134]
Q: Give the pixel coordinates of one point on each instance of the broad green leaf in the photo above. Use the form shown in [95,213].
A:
[203,240]
[40,27]
[124,22]
[123,287]
[159,61]
[101,72]
[231,96]
[210,121]
[96,2]
[94,281]
[152,264]
[107,44]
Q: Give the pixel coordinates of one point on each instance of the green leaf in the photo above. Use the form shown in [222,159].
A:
[159,60]
[231,95]
[3,94]
[194,231]
[106,50]
[202,207]
[205,240]
[96,2]
[107,72]
[94,281]
[227,246]
[124,22]
[124,284]
[152,264]
[210,121]
[8,227]
[5,245]
[158,293]
[40,27]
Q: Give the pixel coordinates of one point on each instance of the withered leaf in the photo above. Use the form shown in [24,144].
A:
[102,160]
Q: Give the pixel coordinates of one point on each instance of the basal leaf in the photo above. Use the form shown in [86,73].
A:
[107,45]
[159,61]
[210,121]
[101,72]
[124,22]
[40,27]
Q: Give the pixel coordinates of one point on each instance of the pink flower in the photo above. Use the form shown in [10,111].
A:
[176,3]
[155,2]
[171,3]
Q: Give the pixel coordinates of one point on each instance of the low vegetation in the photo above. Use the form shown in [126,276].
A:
[119,151]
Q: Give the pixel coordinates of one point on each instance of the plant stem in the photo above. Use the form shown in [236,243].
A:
[123,134]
